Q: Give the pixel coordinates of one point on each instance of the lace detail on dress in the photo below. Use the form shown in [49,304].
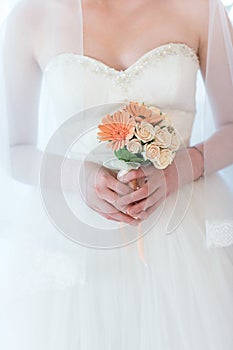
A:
[219,234]
[123,77]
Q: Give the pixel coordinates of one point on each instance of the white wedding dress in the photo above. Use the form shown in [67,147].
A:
[59,295]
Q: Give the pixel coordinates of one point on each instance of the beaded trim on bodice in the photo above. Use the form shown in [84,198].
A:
[123,77]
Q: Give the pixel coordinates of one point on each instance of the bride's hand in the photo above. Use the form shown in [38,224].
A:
[159,184]
[103,191]
[145,200]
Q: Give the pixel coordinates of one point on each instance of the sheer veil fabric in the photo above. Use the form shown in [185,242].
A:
[14,36]
[55,294]
[219,116]
[216,116]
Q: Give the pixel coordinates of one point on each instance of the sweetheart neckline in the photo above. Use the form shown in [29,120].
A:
[117,71]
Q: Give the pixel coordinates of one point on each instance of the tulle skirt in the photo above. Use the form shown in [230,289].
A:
[56,294]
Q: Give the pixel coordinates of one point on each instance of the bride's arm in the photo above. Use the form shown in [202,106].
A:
[23,80]
[215,152]
[218,78]
[23,83]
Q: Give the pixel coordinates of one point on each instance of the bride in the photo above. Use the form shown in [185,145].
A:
[176,294]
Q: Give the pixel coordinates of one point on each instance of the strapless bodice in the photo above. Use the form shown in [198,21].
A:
[164,76]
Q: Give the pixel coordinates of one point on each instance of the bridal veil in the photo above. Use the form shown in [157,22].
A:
[214,108]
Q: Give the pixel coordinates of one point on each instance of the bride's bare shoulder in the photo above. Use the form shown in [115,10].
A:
[196,15]
[198,12]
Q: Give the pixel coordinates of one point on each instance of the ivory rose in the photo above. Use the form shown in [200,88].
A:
[163,138]
[140,134]
[145,132]
[152,151]
[165,159]
[134,146]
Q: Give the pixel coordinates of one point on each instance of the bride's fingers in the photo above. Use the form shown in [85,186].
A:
[108,217]
[142,172]
[111,214]
[109,211]
[138,195]
[145,214]
[143,205]
[118,187]
[121,217]
[103,180]
[131,175]
[107,195]
[100,205]
[111,197]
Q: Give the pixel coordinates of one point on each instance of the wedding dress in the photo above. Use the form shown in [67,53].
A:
[61,295]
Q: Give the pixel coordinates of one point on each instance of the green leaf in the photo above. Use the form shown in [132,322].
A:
[124,154]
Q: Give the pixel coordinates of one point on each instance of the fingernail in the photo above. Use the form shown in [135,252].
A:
[130,211]
[136,211]
[133,212]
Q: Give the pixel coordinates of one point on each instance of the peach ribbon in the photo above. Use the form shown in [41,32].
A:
[140,243]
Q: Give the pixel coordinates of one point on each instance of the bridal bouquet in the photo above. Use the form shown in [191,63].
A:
[139,135]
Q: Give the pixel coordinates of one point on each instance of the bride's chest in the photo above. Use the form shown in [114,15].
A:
[165,76]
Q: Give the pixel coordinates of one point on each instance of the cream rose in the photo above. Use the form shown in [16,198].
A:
[165,159]
[152,151]
[145,132]
[175,142]
[134,146]
[163,138]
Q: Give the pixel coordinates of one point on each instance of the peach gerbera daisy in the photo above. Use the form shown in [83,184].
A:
[141,113]
[138,111]
[117,129]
